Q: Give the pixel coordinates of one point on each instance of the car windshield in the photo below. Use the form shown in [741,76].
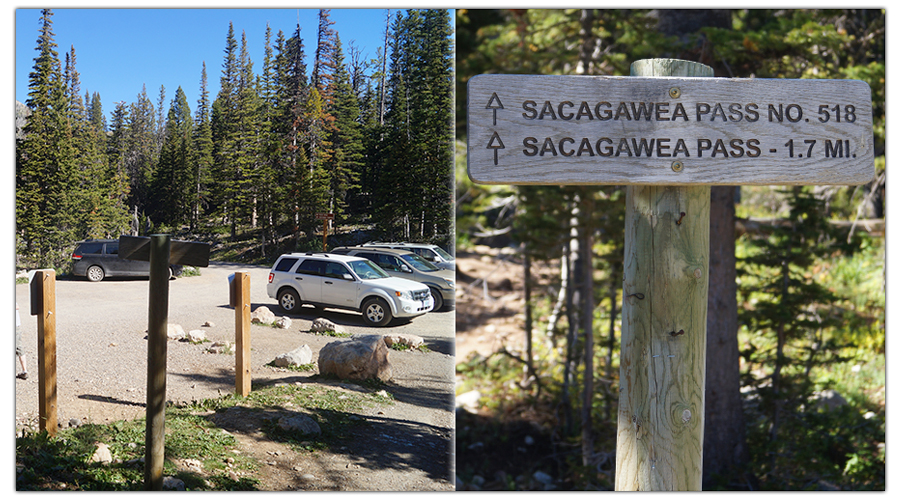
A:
[419,263]
[440,251]
[368,270]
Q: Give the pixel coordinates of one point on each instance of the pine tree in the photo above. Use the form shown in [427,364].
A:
[203,148]
[45,159]
[174,175]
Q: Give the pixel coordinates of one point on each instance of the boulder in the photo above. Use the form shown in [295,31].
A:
[362,358]
[263,315]
[299,356]
[326,325]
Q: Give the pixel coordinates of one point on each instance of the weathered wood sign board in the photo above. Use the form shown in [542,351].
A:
[540,129]
[188,253]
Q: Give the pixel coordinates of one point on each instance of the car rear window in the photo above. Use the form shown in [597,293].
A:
[112,248]
[285,265]
[89,248]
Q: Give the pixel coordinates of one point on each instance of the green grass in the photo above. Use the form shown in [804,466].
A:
[63,462]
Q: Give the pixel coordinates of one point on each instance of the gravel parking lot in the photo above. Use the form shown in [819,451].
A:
[102,353]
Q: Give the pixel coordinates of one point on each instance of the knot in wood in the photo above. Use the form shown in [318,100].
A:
[685,416]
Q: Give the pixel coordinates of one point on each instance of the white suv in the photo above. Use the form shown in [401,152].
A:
[341,281]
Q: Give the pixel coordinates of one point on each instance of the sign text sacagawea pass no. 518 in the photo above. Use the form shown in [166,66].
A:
[536,129]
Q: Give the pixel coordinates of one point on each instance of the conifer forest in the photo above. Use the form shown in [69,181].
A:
[368,140]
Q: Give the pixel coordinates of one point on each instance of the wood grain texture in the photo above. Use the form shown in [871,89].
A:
[242,380]
[47,390]
[663,360]
[663,357]
[545,129]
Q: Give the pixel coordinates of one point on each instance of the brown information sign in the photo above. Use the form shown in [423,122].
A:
[537,129]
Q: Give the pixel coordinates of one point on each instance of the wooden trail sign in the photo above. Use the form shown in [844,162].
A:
[187,253]
[161,252]
[668,132]
[543,129]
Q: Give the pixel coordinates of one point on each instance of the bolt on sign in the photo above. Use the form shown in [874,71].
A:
[543,129]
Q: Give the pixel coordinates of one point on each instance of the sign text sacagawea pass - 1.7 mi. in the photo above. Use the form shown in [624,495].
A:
[542,129]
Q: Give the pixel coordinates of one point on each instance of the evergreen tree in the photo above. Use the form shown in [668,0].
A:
[45,159]
[203,149]
[140,157]
[174,177]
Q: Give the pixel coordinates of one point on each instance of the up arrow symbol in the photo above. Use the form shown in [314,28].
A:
[495,107]
[495,145]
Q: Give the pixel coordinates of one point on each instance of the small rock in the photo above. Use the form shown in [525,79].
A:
[196,336]
[173,483]
[284,323]
[407,339]
[174,331]
[102,454]
[208,324]
[326,325]
[299,356]
[299,423]
[75,422]
[263,315]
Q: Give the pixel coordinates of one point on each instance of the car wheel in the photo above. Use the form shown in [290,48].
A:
[171,273]
[289,300]
[376,312]
[95,273]
[438,300]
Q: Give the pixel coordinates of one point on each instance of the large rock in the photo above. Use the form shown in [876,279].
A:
[299,356]
[263,315]
[362,358]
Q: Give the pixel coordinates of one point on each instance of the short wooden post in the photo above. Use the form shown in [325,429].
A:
[663,358]
[156,361]
[47,410]
[241,286]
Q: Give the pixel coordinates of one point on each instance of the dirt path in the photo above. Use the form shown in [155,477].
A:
[101,358]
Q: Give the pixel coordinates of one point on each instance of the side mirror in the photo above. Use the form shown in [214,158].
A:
[405,269]
[348,276]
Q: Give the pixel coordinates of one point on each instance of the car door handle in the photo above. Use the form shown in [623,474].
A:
[298,278]
[329,283]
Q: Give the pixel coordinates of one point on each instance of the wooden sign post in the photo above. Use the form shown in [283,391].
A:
[668,133]
[240,300]
[161,252]
[325,218]
[43,305]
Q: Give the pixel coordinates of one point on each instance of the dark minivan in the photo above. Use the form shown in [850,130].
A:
[98,259]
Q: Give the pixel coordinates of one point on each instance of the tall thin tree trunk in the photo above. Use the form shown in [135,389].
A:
[587,321]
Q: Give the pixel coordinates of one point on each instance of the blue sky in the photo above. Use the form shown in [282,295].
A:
[118,51]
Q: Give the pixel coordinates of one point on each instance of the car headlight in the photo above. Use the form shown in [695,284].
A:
[403,294]
[450,283]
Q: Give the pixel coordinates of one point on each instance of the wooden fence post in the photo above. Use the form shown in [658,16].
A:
[241,286]
[158,315]
[46,312]
[663,357]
